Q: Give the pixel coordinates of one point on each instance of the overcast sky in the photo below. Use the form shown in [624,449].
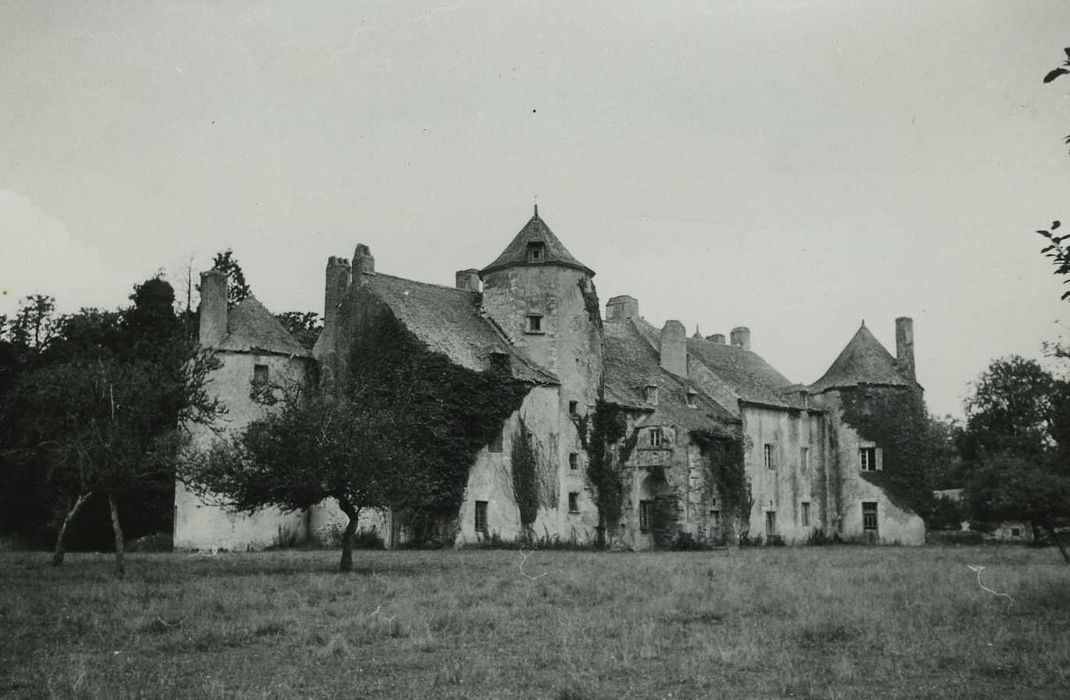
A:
[793,167]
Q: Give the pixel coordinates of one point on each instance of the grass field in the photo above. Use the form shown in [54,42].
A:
[806,622]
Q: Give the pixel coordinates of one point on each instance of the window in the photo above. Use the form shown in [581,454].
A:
[657,437]
[495,442]
[1016,532]
[804,458]
[574,502]
[692,399]
[805,514]
[481,517]
[651,394]
[574,408]
[715,521]
[536,251]
[767,456]
[260,374]
[646,514]
[869,516]
[770,524]
[534,324]
[573,461]
[867,459]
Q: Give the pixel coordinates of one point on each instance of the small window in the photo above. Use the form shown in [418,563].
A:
[1016,532]
[804,459]
[715,521]
[573,461]
[574,502]
[495,442]
[534,323]
[770,524]
[692,399]
[574,408]
[646,515]
[767,456]
[536,251]
[869,516]
[805,514]
[260,374]
[657,437]
[652,394]
[867,459]
[481,517]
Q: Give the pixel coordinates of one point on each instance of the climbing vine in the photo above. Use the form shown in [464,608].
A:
[439,414]
[599,433]
[590,302]
[725,473]
[525,468]
[895,420]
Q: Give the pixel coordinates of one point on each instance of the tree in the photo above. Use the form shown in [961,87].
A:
[1007,487]
[311,448]
[237,289]
[1055,250]
[35,323]
[104,412]
[305,326]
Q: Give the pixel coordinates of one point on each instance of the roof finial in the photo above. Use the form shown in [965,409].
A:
[863,323]
[536,205]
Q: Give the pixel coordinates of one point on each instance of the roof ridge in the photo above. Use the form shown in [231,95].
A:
[426,284]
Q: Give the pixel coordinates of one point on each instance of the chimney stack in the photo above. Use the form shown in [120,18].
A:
[339,275]
[363,262]
[674,348]
[904,345]
[622,308]
[468,279]
[213,313]
[741,337]
[716,338]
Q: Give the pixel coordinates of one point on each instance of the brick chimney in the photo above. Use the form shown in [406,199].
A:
[674,348]
[213,313]
[468,279]
[339,275]
[741,337]
[904,345]
[363,262]
[622,308]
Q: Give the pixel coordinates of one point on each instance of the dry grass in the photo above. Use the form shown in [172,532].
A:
[806,622]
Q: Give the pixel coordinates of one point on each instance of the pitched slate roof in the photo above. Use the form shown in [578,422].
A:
[449,321]
[252,328]
[863,361]
[536,230]
[631,364]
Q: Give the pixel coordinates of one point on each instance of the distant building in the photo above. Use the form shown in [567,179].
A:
[535,308]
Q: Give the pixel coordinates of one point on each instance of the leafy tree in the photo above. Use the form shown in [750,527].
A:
[305,326]
[102,413]
[34,324]
[1055,250]
[945,437]
[237,289]
[310,449]
[1007,487]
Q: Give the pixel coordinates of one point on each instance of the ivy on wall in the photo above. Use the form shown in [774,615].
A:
[725,473]
[525,472]
[441,414]
[895,420]
[599,434]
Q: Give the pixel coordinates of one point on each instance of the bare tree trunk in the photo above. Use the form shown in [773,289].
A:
[352,513]
[120,564]
[57,555]
[1058,543]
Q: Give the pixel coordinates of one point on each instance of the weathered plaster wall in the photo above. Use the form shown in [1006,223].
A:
[784,488]
[201,525]
[849,488]
[490,478]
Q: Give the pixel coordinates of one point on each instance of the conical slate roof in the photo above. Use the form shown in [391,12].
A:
[536,231]
[863,361]
[252,328]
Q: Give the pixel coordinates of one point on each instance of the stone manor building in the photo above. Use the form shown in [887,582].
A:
[810,472]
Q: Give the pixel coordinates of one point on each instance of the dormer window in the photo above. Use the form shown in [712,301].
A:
[533,324]
[536,252]
[651,394]
[692,398]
